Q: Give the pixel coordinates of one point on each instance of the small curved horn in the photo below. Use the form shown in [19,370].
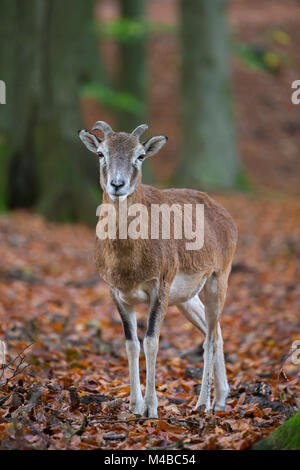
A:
[139,130]
[103,127]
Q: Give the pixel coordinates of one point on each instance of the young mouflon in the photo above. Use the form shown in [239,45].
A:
[161,271]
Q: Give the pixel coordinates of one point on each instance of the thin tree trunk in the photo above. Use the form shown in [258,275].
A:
[18,51]
[132,72]
[64,160]
[208,149]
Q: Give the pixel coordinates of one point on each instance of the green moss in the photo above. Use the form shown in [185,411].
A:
[285,437]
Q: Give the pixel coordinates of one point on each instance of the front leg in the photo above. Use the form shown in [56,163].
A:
[128,317]
[158,307]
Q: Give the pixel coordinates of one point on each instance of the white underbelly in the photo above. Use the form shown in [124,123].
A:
[183,288]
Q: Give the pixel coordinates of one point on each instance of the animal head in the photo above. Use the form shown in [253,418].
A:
[121,156]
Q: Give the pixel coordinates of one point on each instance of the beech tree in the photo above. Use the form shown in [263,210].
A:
[46,53]
[209,152]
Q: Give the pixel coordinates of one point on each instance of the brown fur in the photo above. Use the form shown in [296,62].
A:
[126,263]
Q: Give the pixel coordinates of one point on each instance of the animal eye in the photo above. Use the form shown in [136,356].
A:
[141,157]
[100,154]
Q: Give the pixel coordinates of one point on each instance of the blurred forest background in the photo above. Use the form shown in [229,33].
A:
[213,76]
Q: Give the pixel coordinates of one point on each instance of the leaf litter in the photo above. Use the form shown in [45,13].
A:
[65,383]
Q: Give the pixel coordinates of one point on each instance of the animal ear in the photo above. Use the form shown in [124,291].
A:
[154,144]
[90,140]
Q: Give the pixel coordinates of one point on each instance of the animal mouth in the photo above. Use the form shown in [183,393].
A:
[117,195]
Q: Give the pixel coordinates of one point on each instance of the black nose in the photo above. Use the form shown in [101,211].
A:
[117,184]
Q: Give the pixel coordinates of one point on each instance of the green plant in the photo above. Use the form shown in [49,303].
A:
[112,98]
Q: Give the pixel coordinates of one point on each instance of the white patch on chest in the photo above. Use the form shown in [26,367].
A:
[183,288]
[139,295]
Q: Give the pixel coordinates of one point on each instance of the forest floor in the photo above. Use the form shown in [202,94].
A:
[67,385]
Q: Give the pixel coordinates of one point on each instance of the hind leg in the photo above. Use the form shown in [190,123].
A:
[215,293]
[221,382]
[194,311]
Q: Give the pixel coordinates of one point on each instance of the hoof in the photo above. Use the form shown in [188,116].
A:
[150,411]
[218,407]
[202,407]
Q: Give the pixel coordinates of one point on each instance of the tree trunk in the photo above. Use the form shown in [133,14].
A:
[208,148]
[19,183]
[132,71]
[50,54]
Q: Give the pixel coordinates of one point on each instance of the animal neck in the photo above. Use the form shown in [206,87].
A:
[121,218]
